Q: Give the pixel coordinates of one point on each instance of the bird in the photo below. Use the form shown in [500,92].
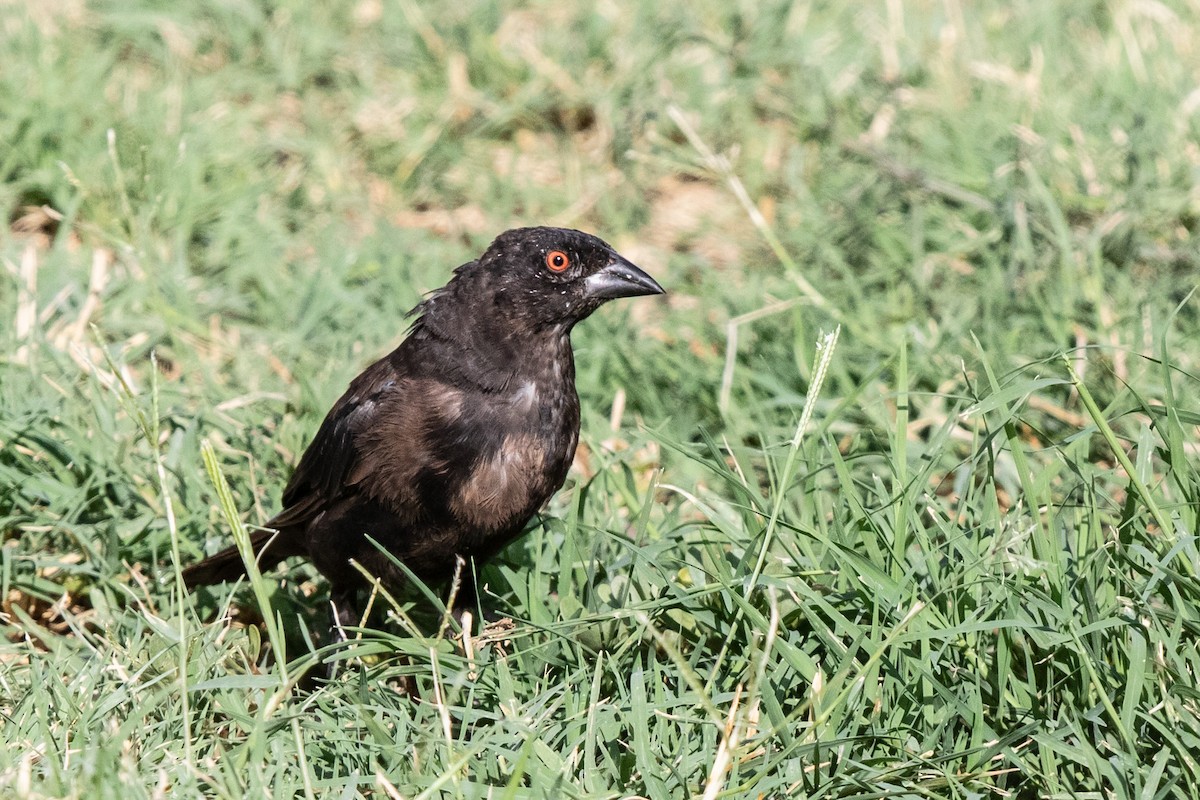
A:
[443,450]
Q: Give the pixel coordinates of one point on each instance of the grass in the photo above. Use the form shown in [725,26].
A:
[953,555]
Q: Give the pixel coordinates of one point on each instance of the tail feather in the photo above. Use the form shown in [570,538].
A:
[227,565]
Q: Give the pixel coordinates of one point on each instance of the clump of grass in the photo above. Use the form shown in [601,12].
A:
[959,558]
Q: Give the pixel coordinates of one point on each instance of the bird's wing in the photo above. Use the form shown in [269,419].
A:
[384,439]
[323,472]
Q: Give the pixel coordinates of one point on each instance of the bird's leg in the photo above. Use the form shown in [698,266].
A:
[461,598]
[343,611]
[465,603]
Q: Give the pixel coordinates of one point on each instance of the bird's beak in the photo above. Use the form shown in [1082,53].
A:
[620,278]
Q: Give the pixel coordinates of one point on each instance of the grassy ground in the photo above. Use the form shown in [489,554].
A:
[961,561]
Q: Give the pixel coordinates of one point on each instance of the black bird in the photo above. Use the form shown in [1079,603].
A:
[444,448]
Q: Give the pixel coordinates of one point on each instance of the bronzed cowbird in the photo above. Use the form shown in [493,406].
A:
[445,448]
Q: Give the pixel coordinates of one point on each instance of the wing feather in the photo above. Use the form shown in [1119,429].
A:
[322,474]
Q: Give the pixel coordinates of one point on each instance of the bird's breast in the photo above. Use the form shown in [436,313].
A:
[536,429]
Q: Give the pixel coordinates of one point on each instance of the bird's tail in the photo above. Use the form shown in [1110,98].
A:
[227,565]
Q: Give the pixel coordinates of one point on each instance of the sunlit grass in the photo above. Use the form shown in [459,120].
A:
[971,572]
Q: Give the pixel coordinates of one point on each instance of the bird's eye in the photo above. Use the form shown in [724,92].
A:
[557,260]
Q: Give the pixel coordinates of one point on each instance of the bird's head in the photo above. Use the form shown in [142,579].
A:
[555,277]
[520,299]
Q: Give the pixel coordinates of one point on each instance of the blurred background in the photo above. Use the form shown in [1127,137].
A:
[971,571]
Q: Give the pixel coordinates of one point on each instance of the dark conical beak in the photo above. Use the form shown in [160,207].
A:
[620,278]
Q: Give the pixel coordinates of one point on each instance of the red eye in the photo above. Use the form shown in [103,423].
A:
[557,260]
